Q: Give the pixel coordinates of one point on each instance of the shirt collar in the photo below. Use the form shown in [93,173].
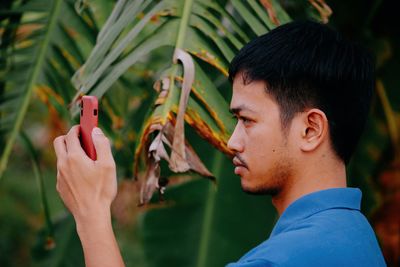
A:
[305,206]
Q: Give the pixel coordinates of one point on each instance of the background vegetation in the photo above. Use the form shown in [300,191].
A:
[198,221]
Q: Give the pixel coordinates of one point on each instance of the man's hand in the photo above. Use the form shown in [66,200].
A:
[88,188]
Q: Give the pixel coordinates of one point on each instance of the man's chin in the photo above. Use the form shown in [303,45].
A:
[259,190]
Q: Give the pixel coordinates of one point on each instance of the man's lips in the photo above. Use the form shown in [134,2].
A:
[238,162]
[240,165]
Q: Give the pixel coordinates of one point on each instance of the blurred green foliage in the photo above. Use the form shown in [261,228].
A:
[199,223]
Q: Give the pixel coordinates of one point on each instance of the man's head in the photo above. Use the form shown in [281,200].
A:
[303,77]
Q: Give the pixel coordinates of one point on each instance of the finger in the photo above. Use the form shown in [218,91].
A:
[102,146]
[73,144]
[59,147]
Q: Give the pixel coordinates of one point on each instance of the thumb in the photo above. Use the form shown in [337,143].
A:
[102,145]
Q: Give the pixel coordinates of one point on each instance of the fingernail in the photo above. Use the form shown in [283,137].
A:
[97,130]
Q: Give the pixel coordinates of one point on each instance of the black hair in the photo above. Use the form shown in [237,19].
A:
[306,64]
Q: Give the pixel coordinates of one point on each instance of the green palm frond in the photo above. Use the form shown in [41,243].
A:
[40,52]
[24,65]
[211,37]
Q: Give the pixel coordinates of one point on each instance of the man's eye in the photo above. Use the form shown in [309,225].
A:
[245,120]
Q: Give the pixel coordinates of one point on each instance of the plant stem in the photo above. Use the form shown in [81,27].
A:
[35,159]
[209,212]
[184,23]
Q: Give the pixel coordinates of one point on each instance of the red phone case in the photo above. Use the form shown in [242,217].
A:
[88,120]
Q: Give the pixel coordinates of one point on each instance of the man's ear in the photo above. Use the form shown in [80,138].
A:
[314,129]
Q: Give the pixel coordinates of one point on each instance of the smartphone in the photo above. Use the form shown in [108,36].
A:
[88,120]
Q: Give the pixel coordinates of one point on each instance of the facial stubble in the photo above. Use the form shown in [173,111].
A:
[277,178]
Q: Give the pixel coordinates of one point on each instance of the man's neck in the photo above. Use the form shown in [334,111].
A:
[309,181]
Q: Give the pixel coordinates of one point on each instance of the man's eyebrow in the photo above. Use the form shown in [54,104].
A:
[237,110]
[234,110]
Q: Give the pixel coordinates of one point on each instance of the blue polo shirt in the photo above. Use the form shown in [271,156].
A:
[324,228]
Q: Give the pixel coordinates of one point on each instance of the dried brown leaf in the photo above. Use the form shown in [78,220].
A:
[178,161]
[192,159]
[271,11]
[324,10]
[151,183]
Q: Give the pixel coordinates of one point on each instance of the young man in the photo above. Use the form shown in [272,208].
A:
[301,95]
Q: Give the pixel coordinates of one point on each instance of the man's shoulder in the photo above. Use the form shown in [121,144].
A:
[253,263]
[331,238]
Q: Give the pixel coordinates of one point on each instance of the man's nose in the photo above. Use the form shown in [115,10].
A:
[235,142]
